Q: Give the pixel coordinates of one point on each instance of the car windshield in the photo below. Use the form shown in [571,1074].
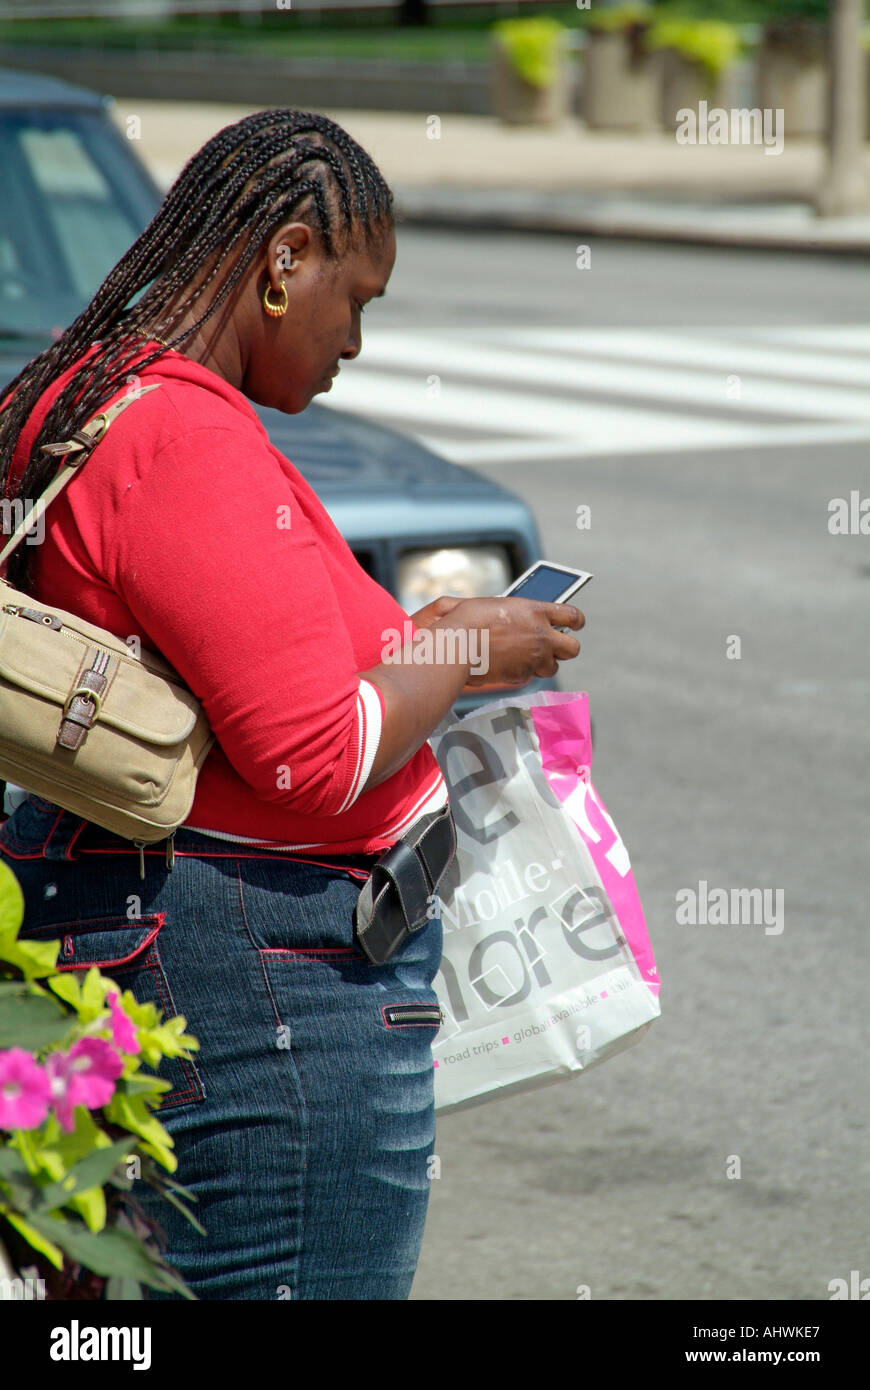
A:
[72,203]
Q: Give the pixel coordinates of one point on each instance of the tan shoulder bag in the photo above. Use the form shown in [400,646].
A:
[84,722]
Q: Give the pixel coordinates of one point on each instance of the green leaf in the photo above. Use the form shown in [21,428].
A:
[132,1113]
[33,958]
[145,1085]
[92,1206]
[144,1015]
[67,987]
[175,1186]
[160,1153]
[166,1040]
[175,1041]
[34,1237]
[31,1021]
[12,1165]
[88,996]
[92,1171]
[171,1197]
[84,1139]
[28,1143]
[110,1252]
[11,902]
[95,987]
[19,1188]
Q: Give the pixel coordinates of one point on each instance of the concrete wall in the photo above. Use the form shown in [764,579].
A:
[306,83]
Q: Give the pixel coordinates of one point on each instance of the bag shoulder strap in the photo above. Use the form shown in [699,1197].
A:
[82,444]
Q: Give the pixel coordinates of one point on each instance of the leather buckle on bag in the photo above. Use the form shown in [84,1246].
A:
[396,899]
[86,439]
[89,696]
[83,440]
[82,706]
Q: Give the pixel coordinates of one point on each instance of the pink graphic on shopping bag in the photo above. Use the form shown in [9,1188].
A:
[562,729]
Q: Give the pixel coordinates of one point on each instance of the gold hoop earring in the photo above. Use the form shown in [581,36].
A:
[276,310]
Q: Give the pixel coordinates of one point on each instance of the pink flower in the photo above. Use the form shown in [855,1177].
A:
[85,1075]
[25,1091]
[124,1034]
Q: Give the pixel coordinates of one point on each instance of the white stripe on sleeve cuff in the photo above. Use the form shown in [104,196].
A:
[370,719]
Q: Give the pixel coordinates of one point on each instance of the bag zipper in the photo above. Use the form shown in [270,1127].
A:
[414,1013]
[170,853]
[41,618]
[34,615]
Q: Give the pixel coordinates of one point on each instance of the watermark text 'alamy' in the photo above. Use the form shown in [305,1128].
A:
[737,126]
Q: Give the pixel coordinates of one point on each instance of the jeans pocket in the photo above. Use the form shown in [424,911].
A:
[299,909]
[128,953]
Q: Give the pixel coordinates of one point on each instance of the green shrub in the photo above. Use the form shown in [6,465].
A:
[620,17]
[533,46]
[76,1128]
[709,42]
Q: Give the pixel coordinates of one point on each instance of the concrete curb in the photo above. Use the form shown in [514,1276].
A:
[775,227]
[567,182]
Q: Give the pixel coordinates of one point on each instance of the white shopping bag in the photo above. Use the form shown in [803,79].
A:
[547,966]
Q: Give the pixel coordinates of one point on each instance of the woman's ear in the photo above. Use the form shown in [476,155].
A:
[286,248]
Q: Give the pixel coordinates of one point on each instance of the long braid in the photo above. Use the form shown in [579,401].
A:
[241,184]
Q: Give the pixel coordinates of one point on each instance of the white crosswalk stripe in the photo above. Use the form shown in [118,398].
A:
[484,395]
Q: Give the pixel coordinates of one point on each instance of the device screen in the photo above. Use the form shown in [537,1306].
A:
[546,584]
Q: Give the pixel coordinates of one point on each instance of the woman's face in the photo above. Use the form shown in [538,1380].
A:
[293,358]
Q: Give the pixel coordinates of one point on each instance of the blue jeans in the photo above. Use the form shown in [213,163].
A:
[305,1121]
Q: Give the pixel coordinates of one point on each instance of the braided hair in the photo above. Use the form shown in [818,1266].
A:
[243,183]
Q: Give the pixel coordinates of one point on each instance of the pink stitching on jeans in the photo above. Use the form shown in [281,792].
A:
[54,825]
[122,960]
[108,922]
[286,952]
[44,807]
[302,950]
[222,854]
[67,854]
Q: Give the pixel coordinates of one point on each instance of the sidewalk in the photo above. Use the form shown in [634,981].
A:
[480,172]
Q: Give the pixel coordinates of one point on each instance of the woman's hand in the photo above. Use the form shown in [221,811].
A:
[516,639]
[438,608]
[522,639]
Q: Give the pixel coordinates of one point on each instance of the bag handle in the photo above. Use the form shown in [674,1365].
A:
[82,443]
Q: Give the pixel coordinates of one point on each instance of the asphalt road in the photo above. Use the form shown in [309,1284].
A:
[748,772]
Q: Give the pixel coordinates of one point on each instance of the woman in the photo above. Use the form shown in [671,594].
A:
[304,1123]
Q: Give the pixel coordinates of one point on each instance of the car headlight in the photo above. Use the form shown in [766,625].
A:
[467,572]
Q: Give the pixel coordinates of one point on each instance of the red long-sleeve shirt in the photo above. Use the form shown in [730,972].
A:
[187,528]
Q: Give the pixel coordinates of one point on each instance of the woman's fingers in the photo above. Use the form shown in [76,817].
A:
[565,615]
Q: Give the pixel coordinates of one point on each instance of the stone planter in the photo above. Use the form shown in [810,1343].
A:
[792,75]
[517,102]
[620,85]
[685,83]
